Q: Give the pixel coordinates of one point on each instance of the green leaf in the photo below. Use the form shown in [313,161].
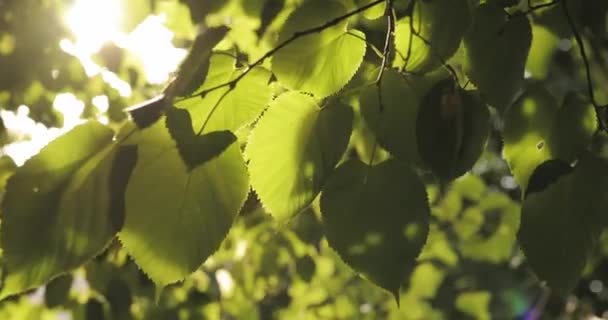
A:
[228,108]
[439,26]
[561,224]
[195,149]
[323,62]
[294,149]
[528,125]
[62,206]
[193,70]
[377,219]
[496,53]
[575,124]
[373,13]
[452,128]
[543,47]
[394,120]
[177,216]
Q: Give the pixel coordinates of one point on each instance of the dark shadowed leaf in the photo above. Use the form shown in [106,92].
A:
[377,219]
[496,53]
[195,149]
[561,224]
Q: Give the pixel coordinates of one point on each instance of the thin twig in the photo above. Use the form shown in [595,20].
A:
[232,83]
[532,8]
[408,54]
[386,54]
[598,109]
[215,106]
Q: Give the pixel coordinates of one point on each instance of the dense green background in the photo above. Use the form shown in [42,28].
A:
[283,258]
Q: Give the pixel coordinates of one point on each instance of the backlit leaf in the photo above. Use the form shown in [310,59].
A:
[323,62]
[176,216]
[226,108]
[293,150]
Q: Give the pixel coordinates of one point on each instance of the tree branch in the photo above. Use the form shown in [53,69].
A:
[232,83]
[598,109]
[532,9]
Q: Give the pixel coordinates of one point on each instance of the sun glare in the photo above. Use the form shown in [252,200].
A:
[94,22]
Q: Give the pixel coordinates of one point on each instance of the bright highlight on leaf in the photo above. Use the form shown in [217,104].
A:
[377,219]
[68,201]
[528,125]
[294,149]
[320,63]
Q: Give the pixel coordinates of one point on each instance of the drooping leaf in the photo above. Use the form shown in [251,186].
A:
[294,149]
[528,125]
[496,53]
[574,125]
[452,128]
[177,216]
[228,108]
[391,114]
[193,70]
[61,208]
[323,62]
[377,219]
[561,224]
[438,28]
[195,149]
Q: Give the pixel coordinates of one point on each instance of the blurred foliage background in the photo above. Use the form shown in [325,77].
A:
[65,61]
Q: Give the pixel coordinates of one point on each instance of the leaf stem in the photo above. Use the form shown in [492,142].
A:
[591,92]
[386,52]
